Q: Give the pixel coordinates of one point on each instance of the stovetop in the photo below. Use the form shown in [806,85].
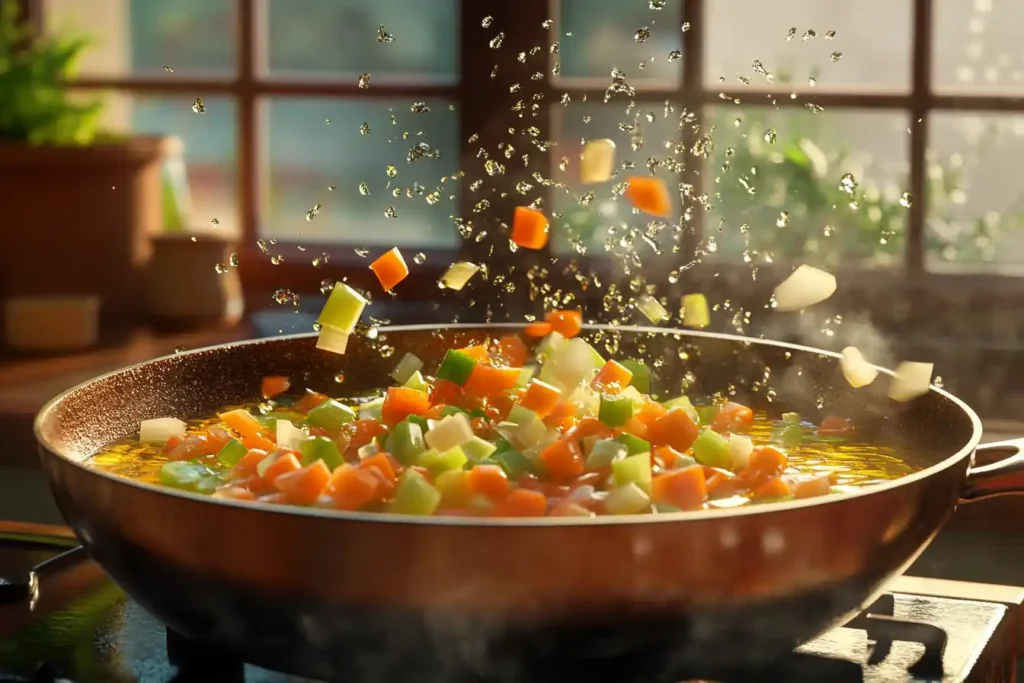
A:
[67,621]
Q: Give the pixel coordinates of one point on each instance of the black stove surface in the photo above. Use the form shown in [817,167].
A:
[69,622]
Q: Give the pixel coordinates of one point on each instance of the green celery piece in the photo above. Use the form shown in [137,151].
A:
[182,475]
[633,444]
[405,442]
[788,435]
[456,367]
[615,411]
[231,453]
[706,414]
[452,410]
[409,364]
[605,452]
[627,499]
[641,375]
[525,375]
[436,462]
[550,344]
[514,463]
[414,495]
[712,449]
[371,409]
[331,415]
[635,469]
[685,404]
[487,461]
[320,448]
[422,422]
[208,484]
[417,382]
[343,308]
[477,448]
[665,508]
[519,415]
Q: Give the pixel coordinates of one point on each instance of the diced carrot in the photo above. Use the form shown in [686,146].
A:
[234,493]
[767,460]
[381,461]
[722,484]
[306,484]
[401,402]
[732,417]
[217,438]
[489,380]
[514,350]
[246,467]
[498,407]
[274,385]
[311,400]
[364,432]
[481,427]
[488,480]
[445,391]
[435,412]
[566,323]
[675,428]
[351,488]
[537,329]
[477,352]
[191,446]
[522,503]
[172,443]
[650,195]
[390,269]
[258,441]
[529,228]
[590,426]
[665,455]
[649,412]
[810,487]
[685,489]
[835,426]
[285,463]
[541,397]
[612,378]
[562,424]
[242,421]
[635,427]
[563,459]
[774,487]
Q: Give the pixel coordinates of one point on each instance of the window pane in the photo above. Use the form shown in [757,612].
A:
[142,37]
[873,37]
[209,147]
[596,35]
[830,218]
[977,44]
[585,221]
[975,205]
[337,39]
[308,156]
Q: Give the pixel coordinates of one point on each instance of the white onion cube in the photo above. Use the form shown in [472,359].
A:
[449,433]
[288,435]
[857,371]
[597,161]
[740,448]
[627,499]
[333,340]
[805,287]
[161,429]
[406,367]
[911,380]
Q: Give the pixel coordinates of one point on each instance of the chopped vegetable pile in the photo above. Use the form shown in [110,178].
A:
[499,430]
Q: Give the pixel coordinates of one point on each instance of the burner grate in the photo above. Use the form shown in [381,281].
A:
[883,629]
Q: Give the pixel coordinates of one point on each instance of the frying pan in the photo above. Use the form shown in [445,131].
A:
[373,597]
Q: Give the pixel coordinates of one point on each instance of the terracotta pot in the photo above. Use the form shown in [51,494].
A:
[78,219]
[184,287]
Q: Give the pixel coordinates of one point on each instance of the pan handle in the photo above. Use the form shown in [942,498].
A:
[1002,478]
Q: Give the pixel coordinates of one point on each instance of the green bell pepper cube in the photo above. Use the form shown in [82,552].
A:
[414,495]
[514,463]
[320,448]
[405,442]
[231,452]
[706,414]
[615,411]
[633,444]
[180,474]
[636,469]
[437,462]
[789,435]
[641,375]
[712,449]
[331,415]
[456,367]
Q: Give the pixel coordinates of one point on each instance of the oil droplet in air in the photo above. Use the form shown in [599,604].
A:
[642,34]
[829,35]
[311,214]
[383,36]
[391,171]
[419,108]
[340,377]
[364,81]
[220,268]
[326,286]
[770,136]
[390,212]
[657,4]
[262,244]
[214,222]
[168,69]
[547,23]
[198,106]
[361,253]
[320,260]
[497,40]
[675,56]
[180,349]
[906,200]
[848,183]
[791,34]
[828,230]
[364,128]
[809,34]
[286,296]
[812,81]
[277,259]
[783,220]
[419,258]
[836,56]
[686,26]
[327,122]
[364,189]
[233,260]
[487,21]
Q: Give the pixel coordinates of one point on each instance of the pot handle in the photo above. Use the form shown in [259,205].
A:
[1002,478]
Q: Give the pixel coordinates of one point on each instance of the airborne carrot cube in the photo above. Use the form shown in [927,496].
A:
[612,378]
[390,269]
[274,385]
[684,489]
[732,417]
[522,503]
[487,380]
[541,398]
[537,329]
[566,323]
[563,459]
[529,228]
[304,485]
[401,402]
[514,350]
[650,195]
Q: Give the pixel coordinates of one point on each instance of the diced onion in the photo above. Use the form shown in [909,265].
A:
[805,287]
[529,434]
[589,401]
[695,311]
[597,161]
[570,364]
[161,429]
[911,380]
[288,435]
[651,308]
[406,367]
[627,499]
[857,371]
[333,340]
[450,432]
[458,274]
[343,308]
[740,448]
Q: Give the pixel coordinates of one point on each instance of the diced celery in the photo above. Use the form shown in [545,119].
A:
[182,475]
[331,415]
[651,308]
[454,487]
[456,367]
[414,495]
[627,499]
[641,375]
[549,344]
[519,415]
[343,308]
[529,434]
[605,452]
[615,411]
[450,432]
[526,373]
[371,409]
[477,448]
[424,424]
[231,452]
[333,340]
[409,364]
[320,448]
[788,435]
[458,274]
[437,462]
[417,382]
[791,418]
[712,449]
[514,463]
[208,484]
[571,363]
[706,414]
[588,400]
[695,311]
[405,442]
[633,395]
[635,469]
[633,444]
[685,404]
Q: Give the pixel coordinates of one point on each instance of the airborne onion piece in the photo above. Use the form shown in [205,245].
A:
[390,269]
[458,274]
[343,308]
[910,381]
[857,371]
[651,308]
[805,287]
[695,311]
[409,365]
[597,161]
[161,429]
[333,340]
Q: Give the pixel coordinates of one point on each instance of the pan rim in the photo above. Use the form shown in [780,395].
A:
[532,522]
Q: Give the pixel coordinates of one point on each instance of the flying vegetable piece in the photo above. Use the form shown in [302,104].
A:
[650,195]
[458,274]
[805,287]
[857,371]
[529,228]
[695,311]
[597,161]
[390,269]
[333,340]
[651,308]
[910,381]
[343,308]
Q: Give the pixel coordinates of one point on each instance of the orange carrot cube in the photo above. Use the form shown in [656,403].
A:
[529,228]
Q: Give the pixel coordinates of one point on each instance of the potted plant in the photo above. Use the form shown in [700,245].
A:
[79,206]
